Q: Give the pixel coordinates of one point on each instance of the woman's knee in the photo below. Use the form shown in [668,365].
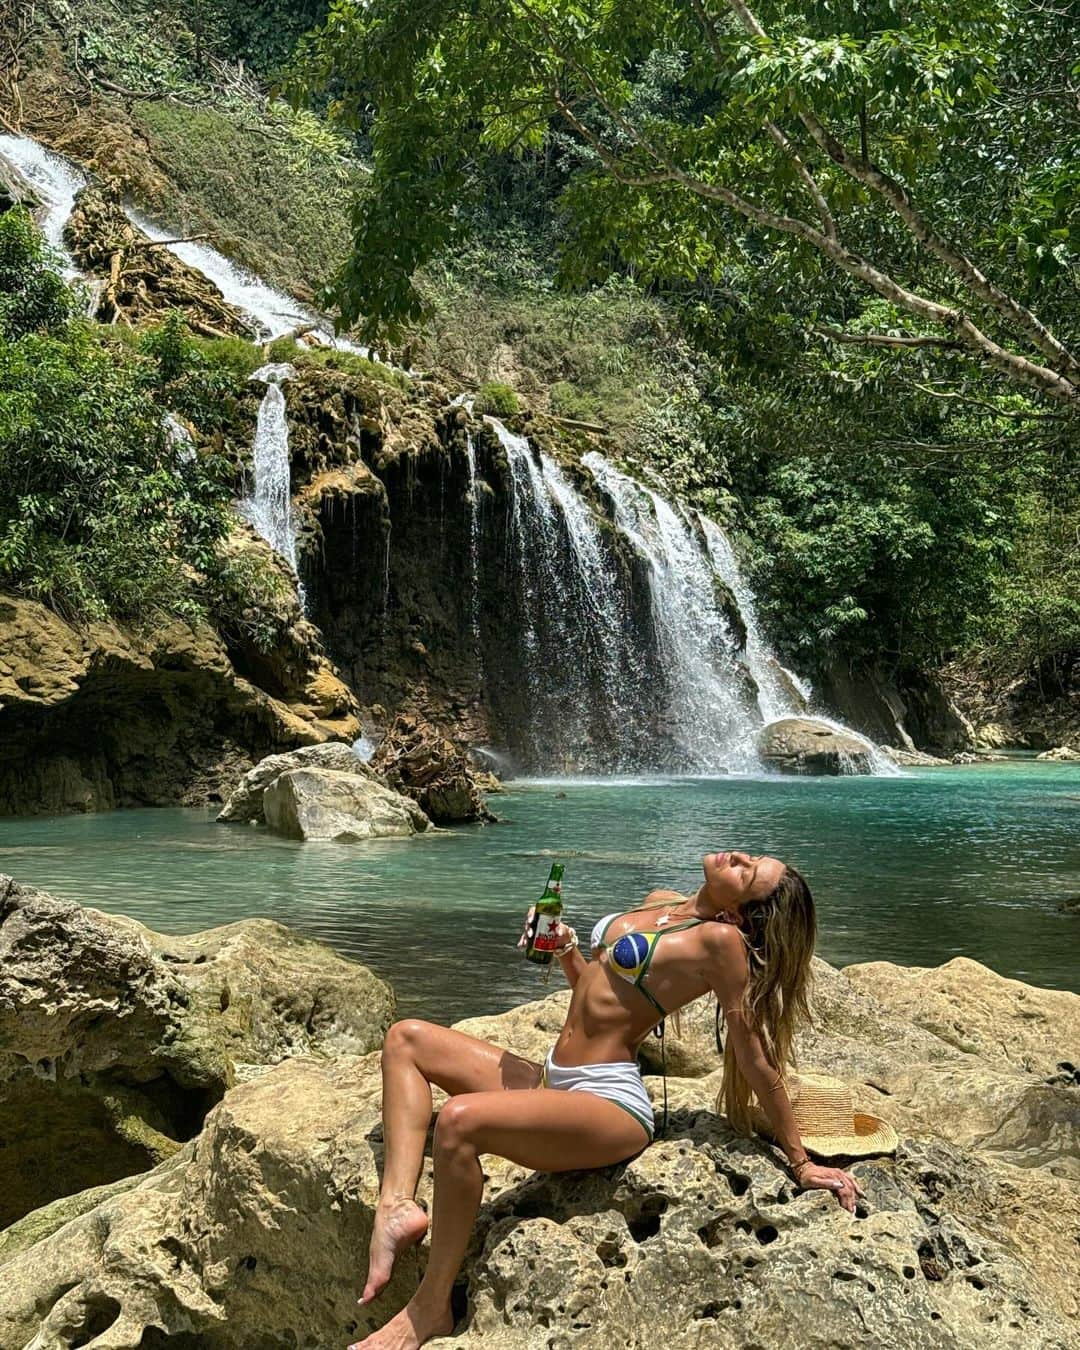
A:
[456,1124]
[406,1037]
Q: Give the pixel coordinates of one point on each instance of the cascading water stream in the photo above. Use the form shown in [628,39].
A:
[709,716]
[780,691]
[56,181]
[272,313]
[774,683]
[474,548]
[595,680]
[269,507]
[578,658]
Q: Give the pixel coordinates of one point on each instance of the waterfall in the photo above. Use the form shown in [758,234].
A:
[269,507]
[56,181]
[709,715]
[474,547]
[774,683]
[272,312]
[582,680]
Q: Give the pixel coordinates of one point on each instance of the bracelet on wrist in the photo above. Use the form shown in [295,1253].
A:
[570,943]
[799,1164]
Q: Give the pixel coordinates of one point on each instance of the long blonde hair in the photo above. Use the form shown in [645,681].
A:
[780,931]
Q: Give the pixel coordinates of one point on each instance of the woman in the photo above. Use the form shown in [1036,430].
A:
[747,935]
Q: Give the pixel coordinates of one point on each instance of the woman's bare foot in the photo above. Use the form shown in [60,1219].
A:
[398,1224]
[413,1327]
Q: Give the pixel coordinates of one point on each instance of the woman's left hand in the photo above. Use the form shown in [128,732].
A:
[842,1184]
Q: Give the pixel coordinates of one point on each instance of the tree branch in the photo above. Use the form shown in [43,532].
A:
[885,339]
[708,28]
[893,192]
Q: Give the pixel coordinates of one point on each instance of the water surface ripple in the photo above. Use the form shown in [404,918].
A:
[919,869]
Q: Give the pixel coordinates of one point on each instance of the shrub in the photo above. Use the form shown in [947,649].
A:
[99,515]
[497,399]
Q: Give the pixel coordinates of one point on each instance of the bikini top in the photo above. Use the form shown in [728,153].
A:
[630,955]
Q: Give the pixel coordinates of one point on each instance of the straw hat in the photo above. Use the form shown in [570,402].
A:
[828,1123]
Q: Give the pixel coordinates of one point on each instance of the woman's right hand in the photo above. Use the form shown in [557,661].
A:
[843,1185]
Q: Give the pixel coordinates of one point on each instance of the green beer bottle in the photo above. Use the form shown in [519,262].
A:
[542,941]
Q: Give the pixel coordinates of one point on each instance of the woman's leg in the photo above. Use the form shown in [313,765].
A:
[548,1131]
[415,1055]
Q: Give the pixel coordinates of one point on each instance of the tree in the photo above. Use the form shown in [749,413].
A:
[852,147]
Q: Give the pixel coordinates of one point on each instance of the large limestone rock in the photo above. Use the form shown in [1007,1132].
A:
[324,804]
[418,759]
[255,1235]
[921,1081]
[803,746]
[98,716]
[245,802]
[1061,754]
[1002,1021]
[115,1040]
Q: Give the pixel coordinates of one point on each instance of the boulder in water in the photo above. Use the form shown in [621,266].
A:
[419,759]
[1061,754]
[319,803]
[246,800]
[115,1040]
[801,745]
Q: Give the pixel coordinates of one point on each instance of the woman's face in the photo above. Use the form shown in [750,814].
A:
[731,879]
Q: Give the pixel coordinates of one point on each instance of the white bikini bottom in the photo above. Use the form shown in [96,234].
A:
[619,1082]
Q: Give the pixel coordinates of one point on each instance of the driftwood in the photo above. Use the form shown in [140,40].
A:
[142,278]
[580,426]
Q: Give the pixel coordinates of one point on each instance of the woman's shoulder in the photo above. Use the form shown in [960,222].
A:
[725,944]
[658,897]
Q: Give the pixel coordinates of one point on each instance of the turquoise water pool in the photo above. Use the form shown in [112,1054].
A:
[915,869]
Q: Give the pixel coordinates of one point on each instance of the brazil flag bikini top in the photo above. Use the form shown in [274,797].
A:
[631,954]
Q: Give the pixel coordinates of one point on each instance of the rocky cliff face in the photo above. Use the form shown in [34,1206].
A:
[97,716]
[115,1041]
[255,1231]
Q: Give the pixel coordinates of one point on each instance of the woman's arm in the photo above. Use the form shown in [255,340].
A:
[569,954]
[766,1080]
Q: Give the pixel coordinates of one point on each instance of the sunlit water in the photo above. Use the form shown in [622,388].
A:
[918,869]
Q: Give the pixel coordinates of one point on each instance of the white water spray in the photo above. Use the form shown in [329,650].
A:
[56,181]
[269,507]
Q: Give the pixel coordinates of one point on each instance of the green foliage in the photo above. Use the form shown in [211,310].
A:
[497,399]
[271,191]
[196,376]
[352,363]
[567,400]
[654,116]
[32,294]
[100,513]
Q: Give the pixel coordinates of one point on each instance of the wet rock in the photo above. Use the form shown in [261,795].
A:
[802,746]
[1061,754]
[246,799]
[256,1232]
[319,803]
[418,759]
[115,1040]
[914,759]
